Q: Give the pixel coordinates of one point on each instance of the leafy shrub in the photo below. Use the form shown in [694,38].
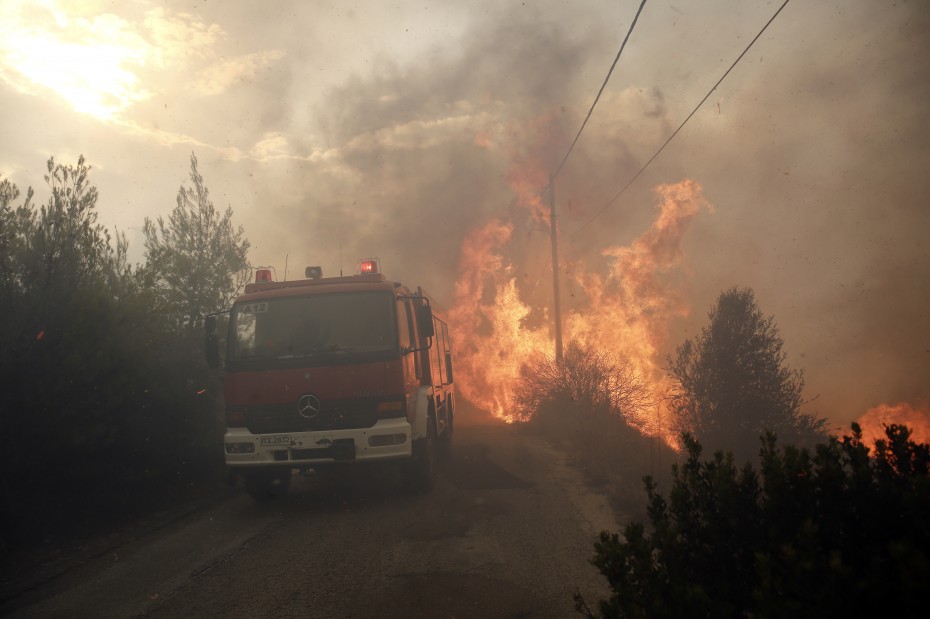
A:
[105,398]
[824,534]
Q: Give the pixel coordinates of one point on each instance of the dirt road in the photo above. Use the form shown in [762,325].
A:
[507,532]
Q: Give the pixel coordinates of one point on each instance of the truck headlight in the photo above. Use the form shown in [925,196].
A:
[240,448]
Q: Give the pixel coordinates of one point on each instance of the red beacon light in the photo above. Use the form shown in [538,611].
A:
[369,266]
[263,276]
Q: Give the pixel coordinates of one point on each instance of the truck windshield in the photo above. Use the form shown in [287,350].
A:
[321,324]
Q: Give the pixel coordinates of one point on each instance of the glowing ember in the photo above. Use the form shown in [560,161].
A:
[625,310]
[874,420]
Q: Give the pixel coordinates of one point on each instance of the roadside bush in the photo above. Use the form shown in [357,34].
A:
[582,405]
[587,382]
[106,409]
[833,532]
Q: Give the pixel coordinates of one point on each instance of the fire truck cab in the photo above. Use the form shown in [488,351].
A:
[325,372]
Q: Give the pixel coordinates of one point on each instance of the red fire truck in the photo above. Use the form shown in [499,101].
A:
[322,372]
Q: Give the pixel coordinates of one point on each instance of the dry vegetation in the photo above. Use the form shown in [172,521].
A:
[582,406]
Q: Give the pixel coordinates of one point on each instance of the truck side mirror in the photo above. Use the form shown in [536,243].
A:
[211,342]
[425,320]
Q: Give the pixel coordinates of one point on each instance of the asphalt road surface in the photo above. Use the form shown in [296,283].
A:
[507,532]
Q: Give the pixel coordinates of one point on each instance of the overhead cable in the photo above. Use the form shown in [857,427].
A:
[674,133]
[578,135]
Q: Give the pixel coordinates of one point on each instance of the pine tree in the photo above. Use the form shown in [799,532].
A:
[734,384]
[197,258]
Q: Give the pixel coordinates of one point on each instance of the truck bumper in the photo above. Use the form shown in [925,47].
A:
[388,439]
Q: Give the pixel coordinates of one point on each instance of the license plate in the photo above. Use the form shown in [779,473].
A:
[282,440]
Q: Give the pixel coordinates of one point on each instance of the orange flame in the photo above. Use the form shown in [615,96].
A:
[873,422]
[626,310]
[492,342]
[527,182]
[629,309]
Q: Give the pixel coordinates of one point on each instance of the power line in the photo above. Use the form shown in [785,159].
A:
[622,45]
[674,133]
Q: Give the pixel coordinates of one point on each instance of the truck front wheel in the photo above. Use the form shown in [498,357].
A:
[267,484]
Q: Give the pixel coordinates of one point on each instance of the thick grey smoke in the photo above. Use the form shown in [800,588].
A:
[392,130]
[812,153]
[422,153]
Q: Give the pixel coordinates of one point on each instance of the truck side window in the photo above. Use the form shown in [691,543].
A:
[403,326]
[447,348]
[414,335]
[245,333]
[439,354]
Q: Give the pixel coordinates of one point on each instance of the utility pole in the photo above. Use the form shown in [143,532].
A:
[557,304]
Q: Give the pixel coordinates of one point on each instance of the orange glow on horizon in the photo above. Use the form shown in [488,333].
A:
[915,418]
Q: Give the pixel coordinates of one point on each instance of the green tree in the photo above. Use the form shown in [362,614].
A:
[65,287]
[733,383]
[49,254]
[829,533]
[106,386]
[197,258]
[54,337]
[13,226]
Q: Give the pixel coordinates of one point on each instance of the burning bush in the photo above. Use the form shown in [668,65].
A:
[588,382]
[583,405]
[825,534]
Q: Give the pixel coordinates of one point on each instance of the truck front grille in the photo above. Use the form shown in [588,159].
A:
[334,415]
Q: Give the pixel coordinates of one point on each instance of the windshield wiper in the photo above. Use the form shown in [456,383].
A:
[339,348]
[325,349]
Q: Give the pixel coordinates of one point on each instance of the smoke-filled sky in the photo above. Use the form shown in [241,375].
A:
[338,131]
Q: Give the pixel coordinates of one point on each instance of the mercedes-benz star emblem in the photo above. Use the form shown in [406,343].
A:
[308,406]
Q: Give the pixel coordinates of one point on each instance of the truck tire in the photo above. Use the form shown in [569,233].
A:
[421,468]
[267,484]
